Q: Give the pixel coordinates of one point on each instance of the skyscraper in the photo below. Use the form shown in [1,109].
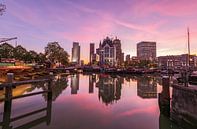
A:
[76,53]
[146,50]
[91,52]
[119,54]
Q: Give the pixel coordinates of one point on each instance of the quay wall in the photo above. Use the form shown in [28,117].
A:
[184,105]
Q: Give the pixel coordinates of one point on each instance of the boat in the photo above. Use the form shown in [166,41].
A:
[193,78]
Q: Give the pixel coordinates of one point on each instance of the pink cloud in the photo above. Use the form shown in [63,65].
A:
[149,110]
[166,7]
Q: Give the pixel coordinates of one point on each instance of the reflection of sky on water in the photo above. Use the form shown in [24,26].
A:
[74,106]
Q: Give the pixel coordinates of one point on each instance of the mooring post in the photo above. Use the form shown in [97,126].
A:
[49,99]
[8,101]
[49,96]
[50,82]
[164,97]
[49,108]
[8,89]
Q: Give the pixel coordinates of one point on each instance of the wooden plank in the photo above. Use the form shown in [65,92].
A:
[32,123]
[23,82]
[28,114]
[31,94]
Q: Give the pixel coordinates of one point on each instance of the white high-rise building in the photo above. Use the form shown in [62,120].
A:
[75,53]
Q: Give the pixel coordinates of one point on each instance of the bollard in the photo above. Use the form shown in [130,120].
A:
[50,85]
[49,108]
[8,89]
[8,102]
[164,97]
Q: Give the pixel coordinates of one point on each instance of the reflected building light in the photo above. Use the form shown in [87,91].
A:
[109,89]
[91,84]
[146,88]
[74,83]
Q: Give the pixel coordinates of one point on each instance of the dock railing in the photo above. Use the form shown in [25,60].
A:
[7,117]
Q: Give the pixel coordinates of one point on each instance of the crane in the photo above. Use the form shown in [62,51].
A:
[6,39]
[2,40]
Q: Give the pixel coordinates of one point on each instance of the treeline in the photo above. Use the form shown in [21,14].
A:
[141,64]
[54,53]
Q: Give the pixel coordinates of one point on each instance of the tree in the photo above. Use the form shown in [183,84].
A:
[41,58]
[56,54]
[6,51]
[20,53]
[2,8]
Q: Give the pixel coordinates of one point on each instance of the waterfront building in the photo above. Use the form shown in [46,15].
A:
[146,50]
[82,63]
[107,52]
[95,58]
[121,60]
[119,53]
[75,53]
[177,61]
[128,58]
[91,53]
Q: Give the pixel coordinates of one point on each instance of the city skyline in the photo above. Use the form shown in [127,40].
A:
[164,22]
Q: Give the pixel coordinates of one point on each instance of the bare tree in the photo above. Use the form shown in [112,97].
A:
[2,8]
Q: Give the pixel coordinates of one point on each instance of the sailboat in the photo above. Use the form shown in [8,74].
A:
[187,76]
[192,78]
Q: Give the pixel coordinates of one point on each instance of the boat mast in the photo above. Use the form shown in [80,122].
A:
[188,41]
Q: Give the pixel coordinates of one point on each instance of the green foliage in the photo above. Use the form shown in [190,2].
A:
[6,51]
[20,53]
[53,52]
[56,54]
[141,64]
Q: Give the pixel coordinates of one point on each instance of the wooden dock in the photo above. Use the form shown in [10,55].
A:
[7,117]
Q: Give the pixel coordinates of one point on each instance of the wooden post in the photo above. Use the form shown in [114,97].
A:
[49,99]
[7,114]
[8,102]
[164,97]
[8,89]
[49,107]
[50,82]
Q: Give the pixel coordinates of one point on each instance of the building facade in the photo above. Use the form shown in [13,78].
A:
[177,61]
[91,53]
[128,58]
[146,50]
[119,53]
[75,53]
[107,52]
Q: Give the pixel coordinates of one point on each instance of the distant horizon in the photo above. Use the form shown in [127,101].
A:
[85,21]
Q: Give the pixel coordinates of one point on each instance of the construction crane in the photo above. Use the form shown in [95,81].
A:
[2,8]
[3,40]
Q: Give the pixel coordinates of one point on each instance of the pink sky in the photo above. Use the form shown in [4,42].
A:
[36,23]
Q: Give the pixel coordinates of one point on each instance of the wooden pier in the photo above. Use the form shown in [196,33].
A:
[7,117]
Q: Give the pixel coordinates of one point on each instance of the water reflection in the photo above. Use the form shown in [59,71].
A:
[74,84]
[92,80]
[146,87]
[8,119]
[105,90]
[109,88]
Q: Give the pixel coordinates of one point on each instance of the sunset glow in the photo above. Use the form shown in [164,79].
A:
[36,23]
